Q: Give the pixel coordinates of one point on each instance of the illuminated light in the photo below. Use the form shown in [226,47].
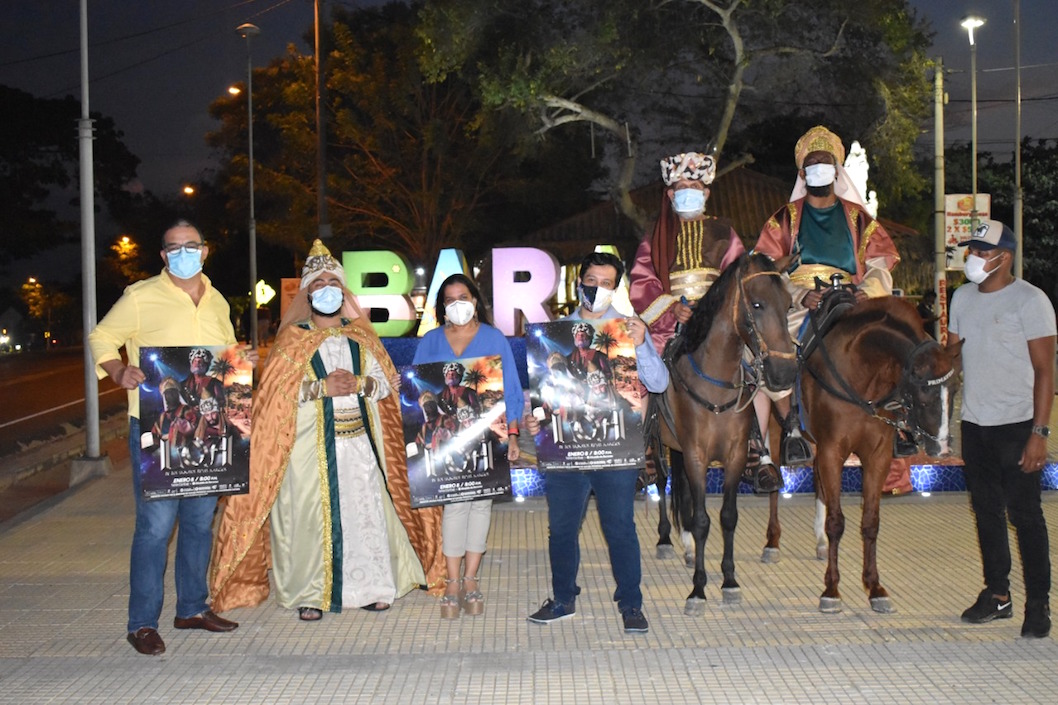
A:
[530,297]
[234,90]
[189,190]
[419,271]
[18,347]
[392,296]
[925,494]
[519,498]
[655,497]
[264,293]
[787,495]
[154,357]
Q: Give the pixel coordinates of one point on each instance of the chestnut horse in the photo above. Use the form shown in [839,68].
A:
[874,371]
[706,411]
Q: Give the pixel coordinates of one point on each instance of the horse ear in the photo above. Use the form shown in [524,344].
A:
[783,262]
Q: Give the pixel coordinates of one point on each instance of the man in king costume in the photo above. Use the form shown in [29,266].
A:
[686,251]
[828,230]
[328,465]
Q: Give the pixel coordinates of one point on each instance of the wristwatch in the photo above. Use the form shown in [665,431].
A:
[1041,431]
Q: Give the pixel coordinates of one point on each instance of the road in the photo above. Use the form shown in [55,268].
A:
[41,392]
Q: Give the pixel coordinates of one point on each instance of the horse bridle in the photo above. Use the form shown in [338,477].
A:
[897,401]
[755,367]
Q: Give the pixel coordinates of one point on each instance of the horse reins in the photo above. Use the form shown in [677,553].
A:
[762,353]
[895,401]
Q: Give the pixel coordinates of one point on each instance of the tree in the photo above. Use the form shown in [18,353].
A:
[693,71]
[413,165]
[1039,179]
[39,164]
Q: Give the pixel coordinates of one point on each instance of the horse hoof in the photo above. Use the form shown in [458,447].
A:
[821,553]
[666,552]
[732,596]
[883,605]
[770,555]
[695,607]
[830,605]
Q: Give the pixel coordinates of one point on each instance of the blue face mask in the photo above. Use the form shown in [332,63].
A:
[688,202]
[184,264]
[327,300]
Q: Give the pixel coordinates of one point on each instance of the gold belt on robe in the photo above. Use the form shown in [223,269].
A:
[348,423]
[805,275]
[692,283]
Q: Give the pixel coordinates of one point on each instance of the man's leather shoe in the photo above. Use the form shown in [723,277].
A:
[147,641]
[208,621]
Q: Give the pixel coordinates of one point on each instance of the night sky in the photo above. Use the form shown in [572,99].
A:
[157,64]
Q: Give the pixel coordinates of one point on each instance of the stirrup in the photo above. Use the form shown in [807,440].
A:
[904,445]
[796,451]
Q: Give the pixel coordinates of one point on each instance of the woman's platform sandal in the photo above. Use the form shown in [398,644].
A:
[473,600]
[450,603]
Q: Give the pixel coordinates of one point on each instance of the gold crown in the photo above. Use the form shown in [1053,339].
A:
[818,139]
[319,260]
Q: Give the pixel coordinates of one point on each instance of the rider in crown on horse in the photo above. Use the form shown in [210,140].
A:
[832,237]
[684,254]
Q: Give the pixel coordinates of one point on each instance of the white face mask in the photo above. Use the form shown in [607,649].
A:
[688,202]
[460,312]
[820,174]
[976,268]
[595,298]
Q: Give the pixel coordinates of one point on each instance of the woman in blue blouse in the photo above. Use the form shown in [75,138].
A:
[465,333]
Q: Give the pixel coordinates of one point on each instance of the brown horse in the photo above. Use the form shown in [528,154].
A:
[876,370]
[706,411]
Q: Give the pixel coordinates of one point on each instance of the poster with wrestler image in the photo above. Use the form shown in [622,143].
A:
[194,421]
[455,430]
[584,389]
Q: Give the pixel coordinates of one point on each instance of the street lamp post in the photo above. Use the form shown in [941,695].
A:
[970,24]
[248,31]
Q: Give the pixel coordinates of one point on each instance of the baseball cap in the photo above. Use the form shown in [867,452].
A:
[991,234]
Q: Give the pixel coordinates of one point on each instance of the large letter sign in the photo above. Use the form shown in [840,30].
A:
[392,296]
[530,297]
[449,261]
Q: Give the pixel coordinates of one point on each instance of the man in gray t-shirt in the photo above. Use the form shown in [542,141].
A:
[1006,327]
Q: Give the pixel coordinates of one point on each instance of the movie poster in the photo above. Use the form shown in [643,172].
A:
[455,430]
[194,421]
[585,391]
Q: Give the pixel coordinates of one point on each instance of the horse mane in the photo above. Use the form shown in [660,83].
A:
[701,321]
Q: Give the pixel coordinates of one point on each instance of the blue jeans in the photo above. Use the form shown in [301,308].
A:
[150,549]
[567,501]
[998,489]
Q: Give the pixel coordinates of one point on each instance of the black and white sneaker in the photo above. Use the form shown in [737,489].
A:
[987,608]
[1037,623]
[634,621]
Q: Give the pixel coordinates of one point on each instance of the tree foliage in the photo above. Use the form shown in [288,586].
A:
[1039,180]
[677,74]
[412,165]
[39,158]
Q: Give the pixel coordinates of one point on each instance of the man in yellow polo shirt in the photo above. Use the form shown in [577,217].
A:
[179,307]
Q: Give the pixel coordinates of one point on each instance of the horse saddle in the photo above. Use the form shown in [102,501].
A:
[837,299]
